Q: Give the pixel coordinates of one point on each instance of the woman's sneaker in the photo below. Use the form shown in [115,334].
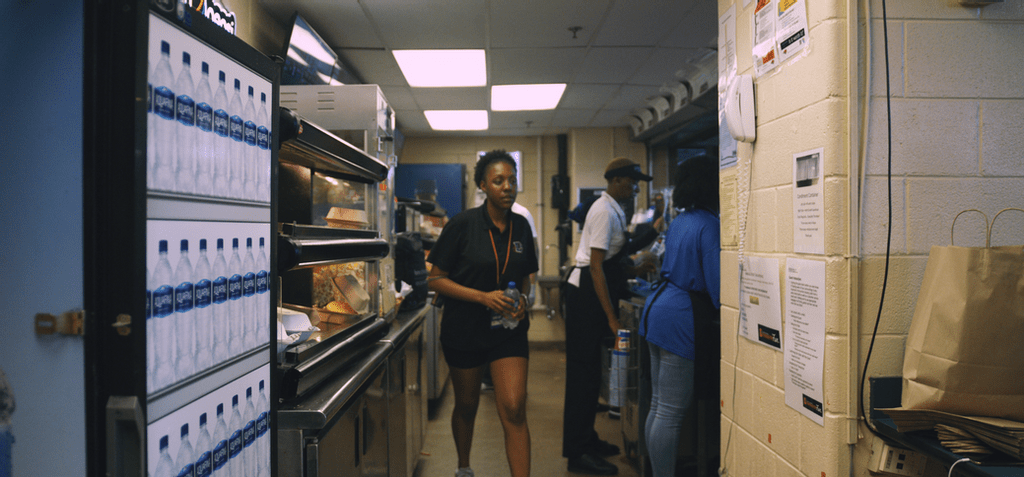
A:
[464,472]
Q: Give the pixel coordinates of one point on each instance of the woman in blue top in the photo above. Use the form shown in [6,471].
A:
[687,297]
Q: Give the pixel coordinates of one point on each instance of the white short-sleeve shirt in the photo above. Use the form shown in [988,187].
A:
[604,228]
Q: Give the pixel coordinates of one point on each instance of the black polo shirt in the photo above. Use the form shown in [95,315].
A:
[464,251]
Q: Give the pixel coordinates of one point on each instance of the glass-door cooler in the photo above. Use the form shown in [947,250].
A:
[180,260]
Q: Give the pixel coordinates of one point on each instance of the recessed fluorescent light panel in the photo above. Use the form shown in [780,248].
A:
[442,68]
[457,120]
[526,97]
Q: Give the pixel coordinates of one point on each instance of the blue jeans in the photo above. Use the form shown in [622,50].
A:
[671,396]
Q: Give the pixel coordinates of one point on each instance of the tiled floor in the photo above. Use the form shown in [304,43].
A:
[546,390]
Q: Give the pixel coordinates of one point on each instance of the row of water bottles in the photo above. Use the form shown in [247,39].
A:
[201,316]
[201,143]
[238,447]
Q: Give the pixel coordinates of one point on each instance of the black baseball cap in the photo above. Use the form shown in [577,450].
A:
[623,167]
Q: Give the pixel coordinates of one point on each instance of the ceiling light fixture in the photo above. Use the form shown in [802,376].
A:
[469,120]
[526,97]
[574,30]
[442,68]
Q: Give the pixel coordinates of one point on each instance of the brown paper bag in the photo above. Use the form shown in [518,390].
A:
[965,348]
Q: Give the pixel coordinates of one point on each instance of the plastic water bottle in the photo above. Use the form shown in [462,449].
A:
[204,450]
[221,140]
[163,315]
[204,134]
[150,337]
[220,305]
[236,127]
[203,309]
[185,113]
[249,435]
[513,293]
[220,444]
[249,156]
[236,325]
[165,466]
[263,297]
[262,152]
[184,316]
[163,131]
[236,441]
[186,460]
[262,435]
[249,296]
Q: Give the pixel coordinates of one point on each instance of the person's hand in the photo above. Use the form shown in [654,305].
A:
[521,310]
[497,301]
[659,224]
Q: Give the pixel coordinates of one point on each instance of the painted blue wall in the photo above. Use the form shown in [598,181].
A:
[41,238]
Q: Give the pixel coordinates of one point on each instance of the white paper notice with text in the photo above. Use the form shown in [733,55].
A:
[805,337]
[760,308]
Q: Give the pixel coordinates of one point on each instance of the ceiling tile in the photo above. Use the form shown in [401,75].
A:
[610,118]
[661,66]
[413,24]
[583,96]
[339,23]
[545,23]
[518,119]
[452,98]
[533,65]
[573,117]
[642,22]
[374,66]
[699,28]
[611,65]
[630,97]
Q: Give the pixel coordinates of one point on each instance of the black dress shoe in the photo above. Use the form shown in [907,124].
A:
[592,464]
[603,448]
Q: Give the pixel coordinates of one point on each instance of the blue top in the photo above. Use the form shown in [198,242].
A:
[691,263]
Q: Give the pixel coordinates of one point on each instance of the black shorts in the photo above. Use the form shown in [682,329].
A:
[516,346]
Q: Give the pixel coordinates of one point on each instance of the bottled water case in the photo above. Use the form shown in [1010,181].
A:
[182,260]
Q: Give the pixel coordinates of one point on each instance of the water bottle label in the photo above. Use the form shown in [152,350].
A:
[235,444]
[204,293]
[249,434]
[204,117]
[236,127]
[235,287]
[204,466]
[163,102]
[262,424]
[183,300]
[263,137]
[149,304]
[186,110]
[220,290]
[249,132]
[249,284]
[221,123]
[149,98]
[262,285]
[187,471]
[163,301]
[220,455]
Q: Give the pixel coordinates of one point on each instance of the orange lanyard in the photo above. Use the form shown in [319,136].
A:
[498,274]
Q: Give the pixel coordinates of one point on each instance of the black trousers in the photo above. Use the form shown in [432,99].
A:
[586,327]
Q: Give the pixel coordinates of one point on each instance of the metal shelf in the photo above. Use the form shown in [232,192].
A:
[306,144]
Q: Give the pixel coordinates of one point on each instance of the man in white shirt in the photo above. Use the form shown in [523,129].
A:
[591,315]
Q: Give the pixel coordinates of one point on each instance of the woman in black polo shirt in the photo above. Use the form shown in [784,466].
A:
[477,254]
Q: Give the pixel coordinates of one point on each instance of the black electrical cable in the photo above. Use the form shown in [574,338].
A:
[888,242]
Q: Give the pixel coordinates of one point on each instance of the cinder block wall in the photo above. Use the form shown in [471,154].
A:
[957,143]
